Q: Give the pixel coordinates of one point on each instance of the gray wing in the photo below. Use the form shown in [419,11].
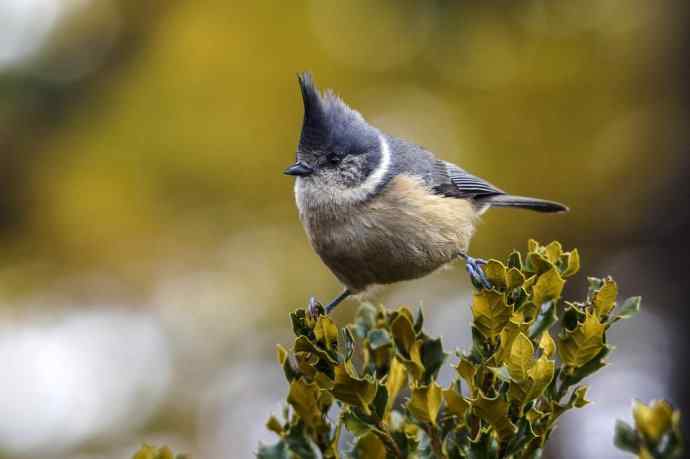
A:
[452,181]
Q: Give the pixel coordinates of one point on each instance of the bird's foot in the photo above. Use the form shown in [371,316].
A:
[314,308]
[477,276]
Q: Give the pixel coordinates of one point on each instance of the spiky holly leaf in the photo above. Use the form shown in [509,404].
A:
[548,287]
[456,404]
[605,298]
[490,312]
[547,344]
[395,381]
[653,420]
[579,346]
[350,389]
[303,397]
[425,402]
[495,412]
[520,357]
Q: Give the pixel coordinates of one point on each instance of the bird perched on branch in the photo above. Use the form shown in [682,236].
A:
[378,209]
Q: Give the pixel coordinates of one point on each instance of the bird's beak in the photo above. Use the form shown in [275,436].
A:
[299,169]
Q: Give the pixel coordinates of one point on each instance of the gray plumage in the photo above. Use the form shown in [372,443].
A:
[378,209]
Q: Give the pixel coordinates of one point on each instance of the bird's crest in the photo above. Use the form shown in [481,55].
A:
[328,121]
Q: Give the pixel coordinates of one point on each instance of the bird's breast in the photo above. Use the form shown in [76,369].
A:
[403,233]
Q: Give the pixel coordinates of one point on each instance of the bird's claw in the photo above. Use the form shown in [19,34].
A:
[477,276]
[314,308]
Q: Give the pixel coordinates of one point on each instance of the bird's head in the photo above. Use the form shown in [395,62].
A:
[337,147]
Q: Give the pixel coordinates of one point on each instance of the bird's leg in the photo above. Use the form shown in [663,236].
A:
[474,268]
[315,308]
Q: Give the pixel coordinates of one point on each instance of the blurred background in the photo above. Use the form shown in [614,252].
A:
[150,248]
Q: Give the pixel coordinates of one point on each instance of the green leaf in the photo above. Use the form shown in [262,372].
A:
[365,319]
[379,338]
[277,451]
[432,356]
[605,298]
[545,319]
[626,438]
[298,319]
[425,402]
[548,287]
[629,308]
[579,346]
[515,260]
[491,313]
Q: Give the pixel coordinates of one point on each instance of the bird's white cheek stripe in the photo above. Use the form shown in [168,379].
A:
[318,195]
[372,182]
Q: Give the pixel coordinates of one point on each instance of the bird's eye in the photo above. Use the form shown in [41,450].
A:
[333,158]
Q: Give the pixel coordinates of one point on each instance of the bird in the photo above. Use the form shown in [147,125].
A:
[378,209]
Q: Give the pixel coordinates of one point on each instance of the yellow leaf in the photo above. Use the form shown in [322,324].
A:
[507,336]
[282,354]
[495,412]
[456,404]
[370,446]
[490,313]
[605,298]
[326,332]
[146,452]
[540,376]
[467,372]
[579,346]
[532,246]
[355,391]
[520,358]
[495,272]
[403,333]
[514,278]
[397,376]
[548,287]
[653,420]
[425,402]
[274,425]
[553,251]
[573,264]
[538,263]
[304,398]
[529,282]
[547,344]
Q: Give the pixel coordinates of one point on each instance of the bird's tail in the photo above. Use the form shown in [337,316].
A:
[522,202]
